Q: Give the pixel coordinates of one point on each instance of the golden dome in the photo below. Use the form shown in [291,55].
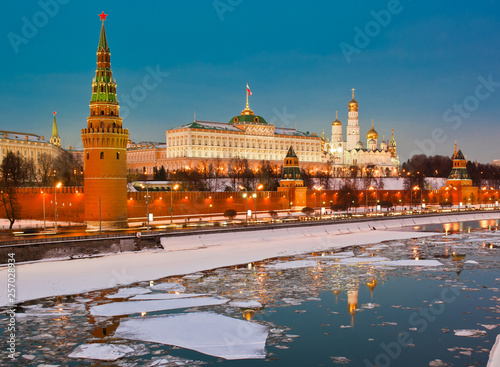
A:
[372,134]
[336,122]
[353,105]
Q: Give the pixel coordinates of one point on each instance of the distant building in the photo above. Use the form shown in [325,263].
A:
[495,162]
[30,146]
[459,187]
[377,160]
[146,158]
[246,136]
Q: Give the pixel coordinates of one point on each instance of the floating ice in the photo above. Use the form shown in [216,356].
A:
[472,262]
[131,307]
[205,332]
[292,264]
[128,292]
[359,260]
[246,304]
[488,327]
[168,287]
[106,352]
[411,263]
[340,360]
[166,296]
[473,333]
[437,363]
[494,360]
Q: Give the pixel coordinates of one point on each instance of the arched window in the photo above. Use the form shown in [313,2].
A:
[111,113]
[101,155]
[102,124]
[88,155]
[91,125]
[102,112]
[117,155]
[114,122]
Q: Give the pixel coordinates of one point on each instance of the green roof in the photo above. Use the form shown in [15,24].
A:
[248,118]
[103,42]
[291,153]
[459,174]
[459,155]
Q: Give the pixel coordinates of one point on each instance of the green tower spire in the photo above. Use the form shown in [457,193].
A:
[54,138]
[103,85]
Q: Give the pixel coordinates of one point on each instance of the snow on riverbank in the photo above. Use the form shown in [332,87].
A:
[190,254]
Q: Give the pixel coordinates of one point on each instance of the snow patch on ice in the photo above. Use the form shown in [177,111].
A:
[166,296]
[205,332]
[360,260]
[494,360]
[411,263]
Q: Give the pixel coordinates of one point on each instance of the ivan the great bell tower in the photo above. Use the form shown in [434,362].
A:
[105,142]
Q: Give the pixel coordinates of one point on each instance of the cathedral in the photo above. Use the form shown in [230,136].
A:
[372,159]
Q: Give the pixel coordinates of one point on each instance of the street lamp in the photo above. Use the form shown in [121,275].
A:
[58,185]
[254,195]
[43,204]
[411,195]
[246,207]
[176,186]
[147,204]
[318,188]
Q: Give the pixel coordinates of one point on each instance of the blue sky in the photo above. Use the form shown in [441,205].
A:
[429,70]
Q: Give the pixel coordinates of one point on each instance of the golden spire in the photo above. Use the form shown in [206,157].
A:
[336,115]
[353,93]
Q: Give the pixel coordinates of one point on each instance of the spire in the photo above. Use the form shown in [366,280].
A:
[103,42]
[291,153]
[55,139]
[336,115]
[351,89]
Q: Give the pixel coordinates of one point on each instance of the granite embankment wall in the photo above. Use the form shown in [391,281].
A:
[78,247]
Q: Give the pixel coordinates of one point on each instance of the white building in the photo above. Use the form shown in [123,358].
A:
[373,158]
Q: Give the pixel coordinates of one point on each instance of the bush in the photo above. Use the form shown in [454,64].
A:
[230,213]
[307,210]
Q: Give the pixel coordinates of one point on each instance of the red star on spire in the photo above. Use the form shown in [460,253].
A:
[55,113]
[103,16]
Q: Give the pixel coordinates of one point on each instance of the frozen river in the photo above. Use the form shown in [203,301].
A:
[430,301]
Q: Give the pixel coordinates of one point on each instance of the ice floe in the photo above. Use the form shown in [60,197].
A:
[245,304]
[360,260]
[166,296]
[494,359]
[128,292]
[132,307]
[411,263]
[292,264]
[205,332]
[473,333]
[107,352]
[168,287]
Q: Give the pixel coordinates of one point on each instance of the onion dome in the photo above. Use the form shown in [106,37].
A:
[336,122]
[359,145]
[372,134]
[353,105]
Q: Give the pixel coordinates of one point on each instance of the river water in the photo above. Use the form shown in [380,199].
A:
[354,307]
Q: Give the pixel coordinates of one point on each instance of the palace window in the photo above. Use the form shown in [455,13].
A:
[101,155]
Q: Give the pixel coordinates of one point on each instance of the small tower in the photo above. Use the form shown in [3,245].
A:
[352,124]
[105,142]
[291,180]
[54,138]
[459,189]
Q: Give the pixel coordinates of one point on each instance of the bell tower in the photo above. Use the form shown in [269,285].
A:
[105,142]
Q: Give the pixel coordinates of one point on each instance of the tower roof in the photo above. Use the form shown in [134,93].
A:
[291,153]
[337,121]
[55,133]
[372,134]
[103,42]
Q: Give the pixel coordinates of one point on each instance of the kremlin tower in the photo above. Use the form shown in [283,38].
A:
[105,142]
[55,139]
[352,124]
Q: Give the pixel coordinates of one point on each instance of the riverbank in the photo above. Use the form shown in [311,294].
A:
[193,253]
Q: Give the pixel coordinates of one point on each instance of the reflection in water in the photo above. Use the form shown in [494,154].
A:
[352,303]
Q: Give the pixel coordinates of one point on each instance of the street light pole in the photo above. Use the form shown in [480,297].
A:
[246,207]
[55,203]
[43,202]
[147,205]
